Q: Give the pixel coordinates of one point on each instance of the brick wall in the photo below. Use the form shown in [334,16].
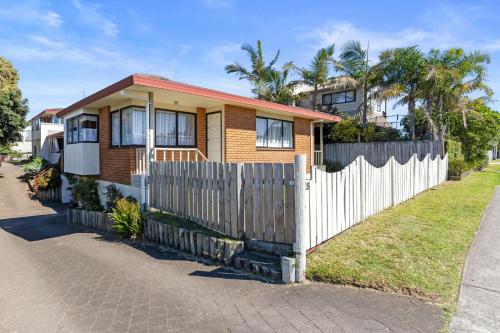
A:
[240,139]
[201,130]
[115,164]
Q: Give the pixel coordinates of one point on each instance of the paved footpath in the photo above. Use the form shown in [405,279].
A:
[60,278]
[479,300]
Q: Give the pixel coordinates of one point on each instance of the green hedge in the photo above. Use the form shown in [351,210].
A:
[454,149]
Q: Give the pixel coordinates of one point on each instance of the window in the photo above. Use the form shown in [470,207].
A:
[133,126]
[175,128]
[55,145]
[185,125]
[166,129]
[82,128]
[128,127]
[274,133]
[87,128]
[115,128]
[339,97]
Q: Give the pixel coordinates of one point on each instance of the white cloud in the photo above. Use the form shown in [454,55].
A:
[183,48]
[92,15]
[32,14]
[220,54]
[442,27]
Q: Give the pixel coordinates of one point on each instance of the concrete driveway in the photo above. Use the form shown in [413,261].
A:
[59,278]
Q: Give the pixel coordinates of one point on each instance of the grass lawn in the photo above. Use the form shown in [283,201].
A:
[416,248]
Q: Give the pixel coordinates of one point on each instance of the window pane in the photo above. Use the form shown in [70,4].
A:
[349,96]
[88,128]
[287,135]
[261,129]
[165,128]
[186,129]
[73,130]
[274,133]
[115,128]
[339,97]
[327,99]
[133,126]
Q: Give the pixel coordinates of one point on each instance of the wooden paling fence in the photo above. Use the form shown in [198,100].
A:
[378,153]
[337,201]
[252,200]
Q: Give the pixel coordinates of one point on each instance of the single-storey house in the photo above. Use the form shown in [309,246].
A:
[106,132]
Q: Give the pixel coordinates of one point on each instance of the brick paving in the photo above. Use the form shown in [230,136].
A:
[60,278]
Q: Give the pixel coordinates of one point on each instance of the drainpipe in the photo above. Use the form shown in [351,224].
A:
[149,150]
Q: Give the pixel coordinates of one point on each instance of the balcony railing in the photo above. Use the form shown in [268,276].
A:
[167,154]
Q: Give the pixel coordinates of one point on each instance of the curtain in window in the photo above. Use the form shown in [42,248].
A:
[74,129]
[287,135]
[133,126]
[261,132]
[186,129]
[349,96]
[115,128]
[88,128]
[165,128]
[274,132]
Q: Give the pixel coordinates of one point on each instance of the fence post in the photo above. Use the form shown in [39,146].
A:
[300,220]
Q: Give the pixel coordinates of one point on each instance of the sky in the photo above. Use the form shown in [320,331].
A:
[65,50]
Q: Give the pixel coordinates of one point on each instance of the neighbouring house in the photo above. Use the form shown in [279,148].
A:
[346,103]
[42,125]
[25,145]
[106,132]
[56,146]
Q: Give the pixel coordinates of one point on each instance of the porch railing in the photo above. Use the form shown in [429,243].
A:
[166,155]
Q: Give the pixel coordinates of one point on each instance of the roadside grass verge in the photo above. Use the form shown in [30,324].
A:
[417,248]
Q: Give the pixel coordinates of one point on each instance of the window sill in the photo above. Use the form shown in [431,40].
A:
[274,149]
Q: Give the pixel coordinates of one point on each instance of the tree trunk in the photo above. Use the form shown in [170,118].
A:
[411,114]
[428,112]
[365,106]
[315,92]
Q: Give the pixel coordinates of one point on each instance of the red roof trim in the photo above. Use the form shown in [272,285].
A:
[49,111]
[152,82]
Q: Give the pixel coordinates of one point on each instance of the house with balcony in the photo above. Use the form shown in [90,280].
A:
[108,133]
[43,125]
[346,103]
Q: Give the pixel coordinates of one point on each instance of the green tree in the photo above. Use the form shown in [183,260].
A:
[278,88]
[357,71]
[13,107]
[450,77]
[403,73]
[483,126]
[423,129]
[259,73]
[317,75]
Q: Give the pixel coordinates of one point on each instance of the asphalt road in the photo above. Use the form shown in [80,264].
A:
[60,278]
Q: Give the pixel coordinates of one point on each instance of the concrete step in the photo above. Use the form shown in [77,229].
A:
[259,263]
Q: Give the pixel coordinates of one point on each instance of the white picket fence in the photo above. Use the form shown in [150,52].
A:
[339,200]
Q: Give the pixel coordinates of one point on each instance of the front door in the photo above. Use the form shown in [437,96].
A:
[214,137]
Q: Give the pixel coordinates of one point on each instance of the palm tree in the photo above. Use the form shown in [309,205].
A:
[356,72]
[450,77]
[259,73]
[403,73]
[318,73]
[278,88]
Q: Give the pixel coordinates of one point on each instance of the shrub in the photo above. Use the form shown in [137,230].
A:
[113,194]
[84,193]
[457,167]
[128,220]
[16,155]
[50,179]
[334,166]
[34,166]
[453,149]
